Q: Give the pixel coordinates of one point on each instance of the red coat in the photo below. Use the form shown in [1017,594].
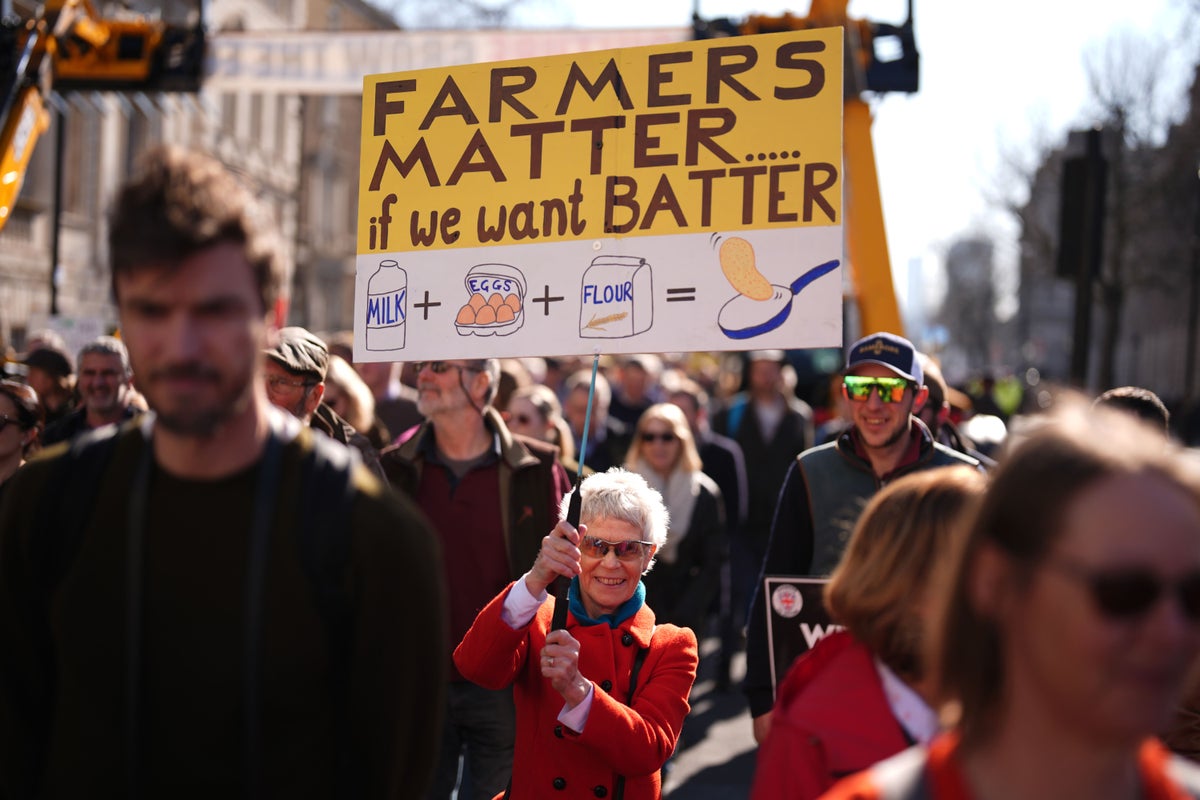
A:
[934,773]
[621,737]
[831,719]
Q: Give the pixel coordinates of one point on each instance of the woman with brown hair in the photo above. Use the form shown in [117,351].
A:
[21,423]
[687,579]
[535,411]
[1068,619]
[862,694]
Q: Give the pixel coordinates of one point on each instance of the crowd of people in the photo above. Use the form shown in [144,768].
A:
[244,563]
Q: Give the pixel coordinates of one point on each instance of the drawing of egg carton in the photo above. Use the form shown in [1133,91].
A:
[496,303]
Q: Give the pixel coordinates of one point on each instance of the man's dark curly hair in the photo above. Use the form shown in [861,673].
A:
[182,202]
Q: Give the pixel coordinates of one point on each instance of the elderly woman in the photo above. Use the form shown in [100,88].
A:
[687,575]
[600,704]
[20,425]
[862,694]
[1066,625]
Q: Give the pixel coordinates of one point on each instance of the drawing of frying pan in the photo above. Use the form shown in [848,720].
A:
[744,317]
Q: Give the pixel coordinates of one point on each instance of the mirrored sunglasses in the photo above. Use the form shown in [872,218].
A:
[858,388]
[1130,592]
[628,550]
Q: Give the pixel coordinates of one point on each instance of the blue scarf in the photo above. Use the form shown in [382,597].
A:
[623,612]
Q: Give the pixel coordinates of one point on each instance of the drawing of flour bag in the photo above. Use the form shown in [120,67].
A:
[617,298]
[496,303]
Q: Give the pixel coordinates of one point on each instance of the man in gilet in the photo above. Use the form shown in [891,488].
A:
[827,486]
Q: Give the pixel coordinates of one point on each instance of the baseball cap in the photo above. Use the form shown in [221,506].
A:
[51,360]
[300,351]
[888,350]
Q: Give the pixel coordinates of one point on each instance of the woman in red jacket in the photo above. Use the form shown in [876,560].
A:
[601,703]
[860,695]
[1067,623]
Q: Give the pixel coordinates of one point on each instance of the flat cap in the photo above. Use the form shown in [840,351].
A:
[299,351]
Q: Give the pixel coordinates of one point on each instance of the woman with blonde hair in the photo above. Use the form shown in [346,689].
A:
[862,694]
[687,577]
[1066,623]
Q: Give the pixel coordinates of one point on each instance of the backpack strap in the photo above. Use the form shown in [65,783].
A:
[58,529]
[324,542]
[736,412]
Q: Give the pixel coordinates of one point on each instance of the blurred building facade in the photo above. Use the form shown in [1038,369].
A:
[299,153]
[1144,309]
[281,104]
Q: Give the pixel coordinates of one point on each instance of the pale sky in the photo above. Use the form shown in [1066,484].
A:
[993,75]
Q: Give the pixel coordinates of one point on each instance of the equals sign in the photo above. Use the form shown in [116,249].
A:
[685,294]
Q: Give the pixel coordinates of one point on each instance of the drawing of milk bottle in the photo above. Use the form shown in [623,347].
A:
[387,307]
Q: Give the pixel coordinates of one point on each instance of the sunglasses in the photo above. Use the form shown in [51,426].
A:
[666,437]
[858,388]
[277,383]
[628,550]
[438,367]
[1129,592]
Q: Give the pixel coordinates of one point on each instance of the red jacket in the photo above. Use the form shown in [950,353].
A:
[622,736]
[831,719]
[935,774]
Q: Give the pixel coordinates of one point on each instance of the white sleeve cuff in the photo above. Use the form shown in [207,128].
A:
[575,718]
[520,605]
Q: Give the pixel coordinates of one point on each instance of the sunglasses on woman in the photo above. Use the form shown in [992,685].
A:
[666,437]
[628,550]
[1124,593]
[858,388]
[438,367]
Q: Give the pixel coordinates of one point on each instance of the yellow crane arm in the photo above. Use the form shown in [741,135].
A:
[68,45]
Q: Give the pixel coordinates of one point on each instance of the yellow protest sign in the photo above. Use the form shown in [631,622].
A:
[524,208]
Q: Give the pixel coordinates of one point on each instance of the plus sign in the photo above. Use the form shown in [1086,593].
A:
[425,306]
[546,300]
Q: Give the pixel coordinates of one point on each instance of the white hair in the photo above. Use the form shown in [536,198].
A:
[625,496]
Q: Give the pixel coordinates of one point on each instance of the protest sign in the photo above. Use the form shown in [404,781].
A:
[796,619]
[678,197]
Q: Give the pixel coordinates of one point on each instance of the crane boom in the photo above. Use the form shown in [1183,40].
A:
[866,70]
[67,45]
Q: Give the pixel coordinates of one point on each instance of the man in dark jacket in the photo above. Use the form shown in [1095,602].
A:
[200,620]
[492,497]
[294,371]
[828,485]
[771,425]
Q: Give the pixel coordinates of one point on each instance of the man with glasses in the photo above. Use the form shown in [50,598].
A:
[294,372]
[827,486]
[492,496]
